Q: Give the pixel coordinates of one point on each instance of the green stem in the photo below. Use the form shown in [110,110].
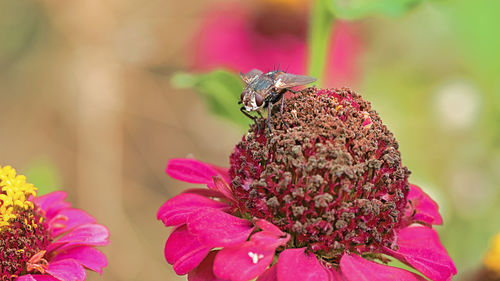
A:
[321,24]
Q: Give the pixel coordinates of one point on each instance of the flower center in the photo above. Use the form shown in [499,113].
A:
[23,231]
[333,179]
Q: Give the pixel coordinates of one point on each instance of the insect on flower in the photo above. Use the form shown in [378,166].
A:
[329,201]
[265,89]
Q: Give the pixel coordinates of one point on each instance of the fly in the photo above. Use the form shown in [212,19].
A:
[263,90]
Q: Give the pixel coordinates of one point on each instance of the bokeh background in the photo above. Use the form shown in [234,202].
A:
[96,96]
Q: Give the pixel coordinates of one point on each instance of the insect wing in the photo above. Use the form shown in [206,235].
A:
[286,80]
[250,76]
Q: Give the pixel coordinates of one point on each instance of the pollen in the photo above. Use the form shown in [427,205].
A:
[14,195]
[492,258]
[255,257]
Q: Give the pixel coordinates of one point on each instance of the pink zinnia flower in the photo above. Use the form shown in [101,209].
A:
[43,238]
[325,199]
[271,36]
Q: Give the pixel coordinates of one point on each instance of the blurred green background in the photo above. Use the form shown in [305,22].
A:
[96,96]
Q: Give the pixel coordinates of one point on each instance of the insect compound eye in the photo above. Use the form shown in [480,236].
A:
[243,94]
[258,99]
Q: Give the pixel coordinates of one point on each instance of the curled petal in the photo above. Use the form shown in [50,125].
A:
[68,219]
[271,274]
[27,277]
[420,248]
[190,261]
[215,228]
[89,257]
[243,262]
[269,239]
[335,275]
[210,193]
[177,210]
[426,209]
[193,171]
[204,271]
[184,251]
[52,203]
[223,172]
[84,235]
[270,236]
[250,259]
[295,264]
[222,186]
[269,227]
[67,270]
[356,268]
[36,277]
[45,201]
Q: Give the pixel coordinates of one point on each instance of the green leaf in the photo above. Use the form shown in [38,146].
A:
[356,9]
[221,91]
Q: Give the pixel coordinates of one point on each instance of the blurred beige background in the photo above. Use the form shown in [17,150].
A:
[82,94]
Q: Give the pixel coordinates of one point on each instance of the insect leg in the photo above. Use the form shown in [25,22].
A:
[269,112]
[242,109]
[281,112]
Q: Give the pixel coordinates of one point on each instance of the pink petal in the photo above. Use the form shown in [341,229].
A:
[356,268]
[218,229]
[204,271]
[223,172]
[84,235]
[179,243]
[420,247]
[269,227]
[190,261]
[335,275]
[68,219]
[44,201]
[184,251]
[89,257]
[67,270]
[192,171]
[52,203]
[295,264]
[205,192]
[177,210]
[223,187]
[37,277]
[270,236]
[244,262]
[271,274]
[269,239]
[426,208]
[26,278]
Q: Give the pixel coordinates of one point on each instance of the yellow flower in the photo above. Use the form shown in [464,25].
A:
[492,258]
[14,194]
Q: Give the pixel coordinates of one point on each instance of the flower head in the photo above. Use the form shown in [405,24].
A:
[325,199]
[334,180]
[43,238]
